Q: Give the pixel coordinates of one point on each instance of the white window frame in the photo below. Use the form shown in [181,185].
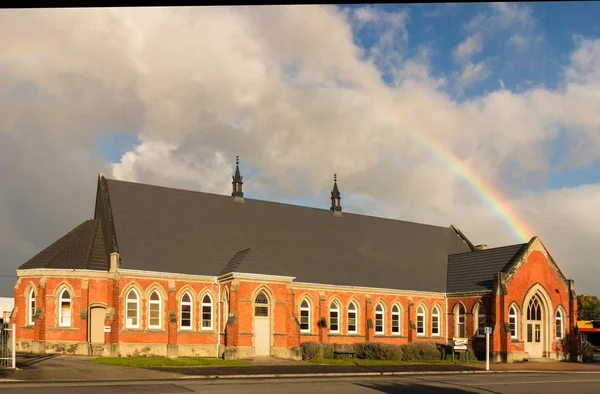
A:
[135,302]
[558,316]
[208,304]
[152,302]
[380,315]
[457,318]
[355,311]
[189,303]
[305,309]
[61,317]
[478,329]
[31,307]
[435,316]
[396,313]
[512,315]
[421,314]
[336,309]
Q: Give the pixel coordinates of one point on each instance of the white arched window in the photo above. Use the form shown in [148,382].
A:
[421,323]
[395,320]
[225,309]
[459,319]
[379,319]
[352,313]
[560,333]
[185,312]
[435,321]
[480,321]
[305,316]
[155,309]
[31,308]
[64,318]
[207,307]
[512,321]
[132,309]
[334,318]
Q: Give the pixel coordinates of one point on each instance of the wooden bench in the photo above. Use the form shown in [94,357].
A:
[342,349]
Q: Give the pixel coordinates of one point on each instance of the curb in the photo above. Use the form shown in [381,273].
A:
[289,375]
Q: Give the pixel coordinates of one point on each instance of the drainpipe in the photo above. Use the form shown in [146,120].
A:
[218,317]
[446,298]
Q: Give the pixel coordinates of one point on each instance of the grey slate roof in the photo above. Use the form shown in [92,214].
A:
[80,248]
[170,230]
[474,271]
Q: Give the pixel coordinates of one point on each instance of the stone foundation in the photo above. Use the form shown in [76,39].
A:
[52,347]
[292,353]
[238,352]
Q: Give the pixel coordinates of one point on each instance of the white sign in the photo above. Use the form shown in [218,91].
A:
[460,343]
[106,328]
[488,330]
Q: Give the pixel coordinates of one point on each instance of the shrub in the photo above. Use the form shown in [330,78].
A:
[327,351]
[587,351]
[311,350]
[421,351]
[377,351]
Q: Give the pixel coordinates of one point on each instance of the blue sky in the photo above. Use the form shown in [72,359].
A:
[549,28]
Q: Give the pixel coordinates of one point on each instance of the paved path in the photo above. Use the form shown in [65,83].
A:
[506,383]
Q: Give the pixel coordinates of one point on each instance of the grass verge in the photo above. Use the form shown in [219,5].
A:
[387,362]
[145,362]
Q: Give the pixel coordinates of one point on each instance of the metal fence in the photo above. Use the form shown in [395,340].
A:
[8,355]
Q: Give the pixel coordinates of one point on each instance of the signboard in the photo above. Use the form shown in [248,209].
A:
[488,330]
[106,328]
[459,343]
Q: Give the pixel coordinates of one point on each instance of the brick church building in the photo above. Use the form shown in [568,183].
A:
[176,273]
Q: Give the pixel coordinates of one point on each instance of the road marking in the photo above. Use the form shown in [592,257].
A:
[534,382]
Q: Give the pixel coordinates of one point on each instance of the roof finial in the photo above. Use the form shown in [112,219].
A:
[335,177]
[237,183]
[237,160]
[336,207]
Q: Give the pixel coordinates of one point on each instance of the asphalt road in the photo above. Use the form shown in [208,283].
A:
[509,383]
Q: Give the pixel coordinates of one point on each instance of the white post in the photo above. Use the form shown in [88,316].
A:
[14,346]
[487,350]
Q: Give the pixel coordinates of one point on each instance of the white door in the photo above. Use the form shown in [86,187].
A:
[97,325]
[262,326]
[535,329]
[262,338]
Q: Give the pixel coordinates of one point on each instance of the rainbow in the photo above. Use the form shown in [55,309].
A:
[489,195]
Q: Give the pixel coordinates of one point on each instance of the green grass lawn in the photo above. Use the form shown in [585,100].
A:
[145,362]
[388,362]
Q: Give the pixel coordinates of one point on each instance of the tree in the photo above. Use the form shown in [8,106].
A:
[588,307]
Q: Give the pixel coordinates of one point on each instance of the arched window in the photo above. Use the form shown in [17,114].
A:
[379,320]
[512,321]
[261,307]
[64,319]
[559,324]
[225,309]
[435,321]
[185,312]
[395,320]
[480,322]
[459,318]
[421,324]
[155,307]
[207,307]
[132,309]
[334,318]
[352,311]
[31,308]
[305,316]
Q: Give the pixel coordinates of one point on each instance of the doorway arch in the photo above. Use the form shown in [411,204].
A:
[537,314]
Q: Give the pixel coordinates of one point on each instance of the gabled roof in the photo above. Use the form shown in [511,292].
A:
[170,230]
[474,271]
[80,248]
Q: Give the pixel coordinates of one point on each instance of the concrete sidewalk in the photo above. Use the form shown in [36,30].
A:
[49,368]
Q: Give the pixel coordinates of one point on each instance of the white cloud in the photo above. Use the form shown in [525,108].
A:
[518,41]
[472,73]
[287,89]
[466,49]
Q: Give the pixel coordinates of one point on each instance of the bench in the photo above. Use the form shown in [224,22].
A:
[342,349]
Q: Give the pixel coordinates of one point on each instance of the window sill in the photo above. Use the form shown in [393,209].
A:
[27,327]
[62,329]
